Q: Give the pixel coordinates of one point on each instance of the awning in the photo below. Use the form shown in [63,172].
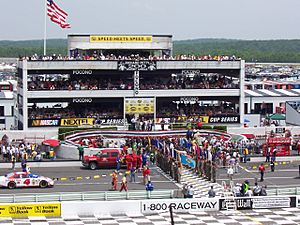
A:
[51,142]
[249,136]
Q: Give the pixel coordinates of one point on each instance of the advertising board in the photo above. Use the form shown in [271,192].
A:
[179,205]
[43,122]
[224,119]
[262,202]
[139,105]
[75,122]
[25,210]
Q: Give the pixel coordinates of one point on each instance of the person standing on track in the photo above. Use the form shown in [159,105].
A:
[261,169]
[114,180]
[124,184]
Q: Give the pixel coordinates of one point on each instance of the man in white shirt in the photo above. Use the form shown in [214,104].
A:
[230,173]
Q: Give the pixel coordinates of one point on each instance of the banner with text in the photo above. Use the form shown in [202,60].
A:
[262,202]
[139,105]
[25,210]
[75,122]
[179,205]
[43,122]
[224,119]
[120,38]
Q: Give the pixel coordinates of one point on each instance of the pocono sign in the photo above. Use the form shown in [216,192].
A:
[180,205]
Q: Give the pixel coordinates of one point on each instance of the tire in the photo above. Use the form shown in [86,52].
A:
[93,165]
[11,185]
[43,184]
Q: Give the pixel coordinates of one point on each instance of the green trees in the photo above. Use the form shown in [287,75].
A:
[250,50]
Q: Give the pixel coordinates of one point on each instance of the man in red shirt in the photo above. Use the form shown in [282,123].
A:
[261,169]
[146,174]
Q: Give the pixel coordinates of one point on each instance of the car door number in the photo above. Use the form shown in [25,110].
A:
[27,181]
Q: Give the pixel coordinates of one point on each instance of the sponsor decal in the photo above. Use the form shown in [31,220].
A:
[83,72]
[116,38]
[224,119]
[82,100]
[75,122]
[24,210]
[44,123]
[180,205]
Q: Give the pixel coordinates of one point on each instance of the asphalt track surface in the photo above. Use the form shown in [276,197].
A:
[286,174]
[72,177]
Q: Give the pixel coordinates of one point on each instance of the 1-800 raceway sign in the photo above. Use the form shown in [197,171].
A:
[179,205]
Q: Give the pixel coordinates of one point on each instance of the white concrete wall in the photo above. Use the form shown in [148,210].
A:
[138,206]
[31,136]
[260,130]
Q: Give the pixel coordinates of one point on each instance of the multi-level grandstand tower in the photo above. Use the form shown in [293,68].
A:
[111,79]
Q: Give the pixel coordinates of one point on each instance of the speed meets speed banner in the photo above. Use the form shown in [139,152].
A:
[139,105]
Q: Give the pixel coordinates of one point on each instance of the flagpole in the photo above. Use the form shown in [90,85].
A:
[45,28]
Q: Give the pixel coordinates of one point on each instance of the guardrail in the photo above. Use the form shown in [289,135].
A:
[86,196]
[284,191]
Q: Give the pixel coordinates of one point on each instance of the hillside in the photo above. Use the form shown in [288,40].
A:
[250,50]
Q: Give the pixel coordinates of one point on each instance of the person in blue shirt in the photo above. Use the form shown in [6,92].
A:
[118,163]
[149,186]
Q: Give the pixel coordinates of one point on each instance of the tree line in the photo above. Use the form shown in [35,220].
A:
[250,50]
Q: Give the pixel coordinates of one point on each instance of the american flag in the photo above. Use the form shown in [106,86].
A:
[57,15]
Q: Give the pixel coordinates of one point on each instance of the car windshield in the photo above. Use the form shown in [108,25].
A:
[33,175]
[9,174]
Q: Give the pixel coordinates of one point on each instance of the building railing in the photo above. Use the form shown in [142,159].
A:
[284,191]
[87,196]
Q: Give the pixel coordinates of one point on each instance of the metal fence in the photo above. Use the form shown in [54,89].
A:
[284,191]
[86,196]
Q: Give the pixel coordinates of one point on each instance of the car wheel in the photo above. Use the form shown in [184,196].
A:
[93,165]
[11,185]
[43,184]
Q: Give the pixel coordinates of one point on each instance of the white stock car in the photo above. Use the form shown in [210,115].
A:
[24,179]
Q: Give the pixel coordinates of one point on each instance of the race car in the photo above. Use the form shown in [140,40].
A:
[25,179]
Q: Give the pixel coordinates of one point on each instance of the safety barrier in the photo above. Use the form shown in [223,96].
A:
[87,196]
[284,191]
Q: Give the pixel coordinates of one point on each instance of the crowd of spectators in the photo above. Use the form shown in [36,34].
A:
[191,112]
[210,81]
[100,56]
[214,81]
[101,111]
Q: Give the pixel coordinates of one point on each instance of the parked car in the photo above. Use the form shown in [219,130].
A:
[104,158]
[25,179]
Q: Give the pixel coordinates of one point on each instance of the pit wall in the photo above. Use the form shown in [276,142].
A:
[260,131]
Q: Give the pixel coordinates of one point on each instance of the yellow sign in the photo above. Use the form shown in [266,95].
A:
[24,210]
[75,122]
[120,38]
[204,119]
[139,105]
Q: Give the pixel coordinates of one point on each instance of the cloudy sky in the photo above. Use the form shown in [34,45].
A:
[184,19]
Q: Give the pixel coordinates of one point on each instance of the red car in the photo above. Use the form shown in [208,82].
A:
[104,158]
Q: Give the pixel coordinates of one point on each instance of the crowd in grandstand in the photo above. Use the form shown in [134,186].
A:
[100,56]
[101,111]
[197,82]
[171,111]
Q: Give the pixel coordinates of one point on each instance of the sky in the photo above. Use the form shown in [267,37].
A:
[184,19]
